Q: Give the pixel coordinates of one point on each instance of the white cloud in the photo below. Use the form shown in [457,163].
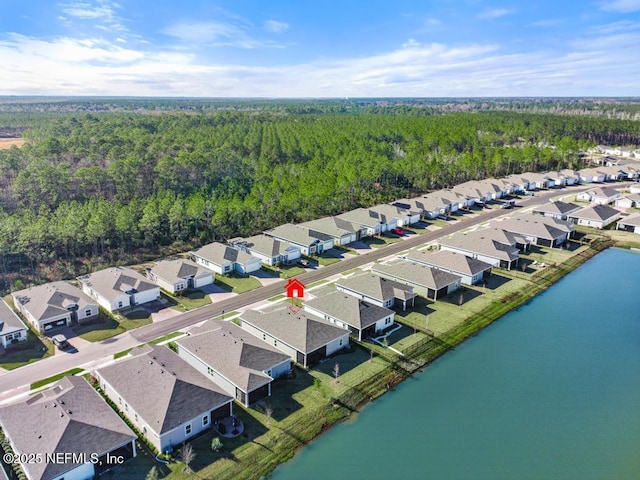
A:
[596,65]
[490,13]
[620,6]
[218,34]
[88,11]
[275,26]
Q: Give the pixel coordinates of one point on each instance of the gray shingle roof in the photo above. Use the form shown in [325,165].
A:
[349,309]
[9,321]
[417,274]
[218,254]
[489,242]
[536,225]
[456,262]
[51,299]
[175,270]
[333,226]
[269,246]
[162,387]
[301,330]
[71,417]
[631,220]
[297,234]
[603,192]
[364,216]
[234,353]
[112,282]
[560,208]
[376,287]
[597,212]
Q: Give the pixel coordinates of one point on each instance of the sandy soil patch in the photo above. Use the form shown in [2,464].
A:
[9,142]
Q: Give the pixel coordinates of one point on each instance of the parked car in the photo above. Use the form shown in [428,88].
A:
[60,341]
[304,263]
[397,231]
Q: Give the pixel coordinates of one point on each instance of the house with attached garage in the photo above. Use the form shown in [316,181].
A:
[310,242]
[361,318]
[68,418]
[571,176]
[429,206]
[470,270]
[630,223]
[118,288]
[426,282]
[164,397]
[12,330]
[242,365]
[558,210]
[341,231]
[592,175]
[635,188]
[307,339]
[492,246]
[179,275]
[541,180]
[456,201]
[56,304]
[268,250]
[368,222]
[377,290]
[521,183]
[473,193]
[597,216]
[396,216]
[599,196]
[629,201]
[225,259]
[537,229]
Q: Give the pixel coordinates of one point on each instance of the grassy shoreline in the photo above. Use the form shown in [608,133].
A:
[313,402]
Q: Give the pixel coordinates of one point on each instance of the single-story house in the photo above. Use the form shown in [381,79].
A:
[456,201]
[243,365]
[369,222]
[597,216]
[307,339]
[470,270]
[69,420]
[541,180]
[629,201]
[426,282]
[361,318]
[310,242]
[224,259]
[635,188]
[165,398]
[269,250]
[630,223]
[521,183]
[377,290]
[179,275]
[403,216]
[537,229]
[472,193]
[119,287]
[493,246]
[571,176]
[12,330]
[415,204]
[599,196]
[494,188]
[558,210]
[592,175]
[342,231]
[56,304]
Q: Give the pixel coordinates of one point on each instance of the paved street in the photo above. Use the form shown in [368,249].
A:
[17,381]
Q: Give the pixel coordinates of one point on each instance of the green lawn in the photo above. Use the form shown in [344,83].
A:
[327,259]
[353,270]
[318,283]
[29,351]
[189,300]
[107,326]
[237,283]
[166,337]
[276,298]
[54,378]
[288,271]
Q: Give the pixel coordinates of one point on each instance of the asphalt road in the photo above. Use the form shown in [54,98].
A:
[17,381]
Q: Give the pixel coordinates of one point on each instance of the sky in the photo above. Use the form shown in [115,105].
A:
[312,48]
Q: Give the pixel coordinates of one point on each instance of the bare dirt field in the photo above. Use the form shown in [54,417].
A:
[8,142]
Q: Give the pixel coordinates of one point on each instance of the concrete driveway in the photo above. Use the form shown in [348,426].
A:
[74,340]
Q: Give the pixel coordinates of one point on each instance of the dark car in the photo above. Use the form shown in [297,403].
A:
[60,341]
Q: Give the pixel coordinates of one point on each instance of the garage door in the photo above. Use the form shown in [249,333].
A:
[55,324]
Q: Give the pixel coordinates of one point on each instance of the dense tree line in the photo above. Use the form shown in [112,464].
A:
[97,185]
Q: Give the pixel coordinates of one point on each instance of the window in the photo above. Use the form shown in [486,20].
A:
[387,320]
[126,407]
[275,343]
[120,304]
[136,417]
[9,337]
[187,429]
[179,286]
[264,336]
[205,420]
[120,400]
[340,342]
[87,313]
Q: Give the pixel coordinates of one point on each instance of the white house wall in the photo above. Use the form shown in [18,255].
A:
[283,368]
[338,344]
[202,280]
[82,312]
[490,260]
[168,286]
[365,297]
[81,472]
[147,296]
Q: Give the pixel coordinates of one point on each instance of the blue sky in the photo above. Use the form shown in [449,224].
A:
[311,48]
